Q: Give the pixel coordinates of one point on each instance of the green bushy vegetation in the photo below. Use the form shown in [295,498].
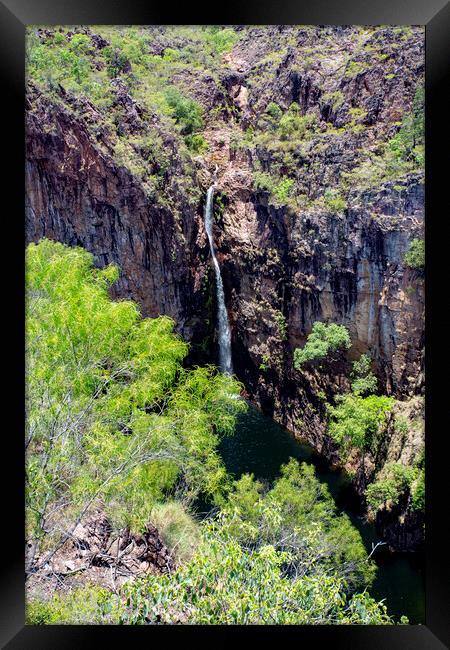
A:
[394,159]
[322,343]
[111,414]
[415,257]
[280,556]
[364,381]
[279,188]
[395,481]
[297,515]
[114,420]
[224,583]
[355,421]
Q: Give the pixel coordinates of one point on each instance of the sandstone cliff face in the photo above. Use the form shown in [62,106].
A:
[76,193]
[286,262]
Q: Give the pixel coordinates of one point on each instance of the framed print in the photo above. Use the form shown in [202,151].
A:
[224,298]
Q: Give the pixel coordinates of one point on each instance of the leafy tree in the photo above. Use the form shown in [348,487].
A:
[363,380]
[415,257]
[298,515]
[355,420]
[111,414]
[323,342]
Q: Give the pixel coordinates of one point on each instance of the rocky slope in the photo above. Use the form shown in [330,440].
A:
[315,210]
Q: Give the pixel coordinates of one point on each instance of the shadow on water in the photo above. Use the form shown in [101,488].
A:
[260,446]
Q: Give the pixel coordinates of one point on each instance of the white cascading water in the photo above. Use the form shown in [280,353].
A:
[225,362]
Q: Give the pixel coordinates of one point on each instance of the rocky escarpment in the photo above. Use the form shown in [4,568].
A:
[77,193]
[315,207]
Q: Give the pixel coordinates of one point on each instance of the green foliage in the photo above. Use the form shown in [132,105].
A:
[280,189]
[408,143]
[282,556]
[354,68]
[186,111]
[298,516]
[355,421]
[223,584]
[280,320]
[83,606]
[334,99]
[393,160]
[274,111]
[196,143]
[293,124]
[334,201]
[418,491]
[364,381]
[394,480]
[323,341]
[220,40]
[265,362]
[177,528]
[415,257]
[111,413]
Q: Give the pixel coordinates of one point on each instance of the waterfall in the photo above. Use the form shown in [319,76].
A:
[226,365]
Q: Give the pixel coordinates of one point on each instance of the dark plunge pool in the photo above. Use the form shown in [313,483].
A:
[260,446]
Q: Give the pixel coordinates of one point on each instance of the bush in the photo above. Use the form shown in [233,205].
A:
[363,380]
[415,257]
[355,421]
[279,189]
[395,480]
[178,530]
[298,515]
[323,341]
[196,143]
[334,201]
[220,40]
[274,111]
[186,111]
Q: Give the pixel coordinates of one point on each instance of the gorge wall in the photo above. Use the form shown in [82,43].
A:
[319,107]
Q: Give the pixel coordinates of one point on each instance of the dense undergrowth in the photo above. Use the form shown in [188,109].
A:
[115,421]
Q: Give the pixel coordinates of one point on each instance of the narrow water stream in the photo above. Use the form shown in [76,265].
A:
[261,446]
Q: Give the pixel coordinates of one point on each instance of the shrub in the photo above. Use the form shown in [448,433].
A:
[408,143]
[298,515]
[415,257]
[355,421]
[196,143]
[334,201]
[363,379]
[323,341]
[220,40]
[274,111]
[178,530]
[186,111]
[395,480]
[292,124]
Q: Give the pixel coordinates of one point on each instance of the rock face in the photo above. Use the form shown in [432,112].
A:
[76,193]
[289,257]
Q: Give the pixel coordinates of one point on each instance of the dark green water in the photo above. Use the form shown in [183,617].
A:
[260,446]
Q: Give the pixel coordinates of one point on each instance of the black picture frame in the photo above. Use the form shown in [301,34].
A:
[435,15]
